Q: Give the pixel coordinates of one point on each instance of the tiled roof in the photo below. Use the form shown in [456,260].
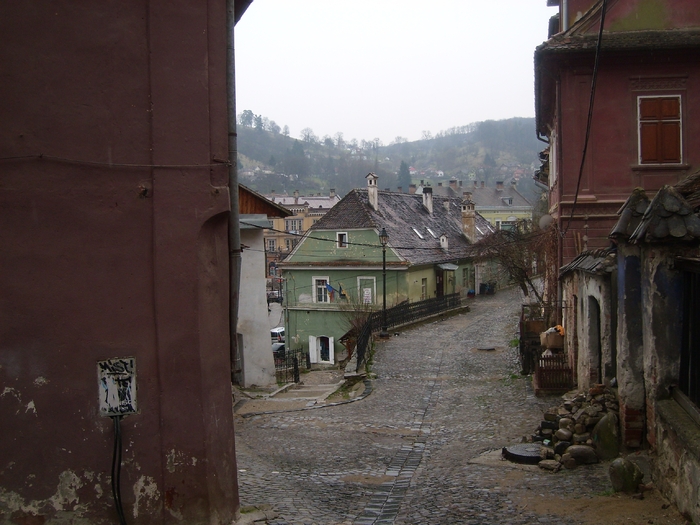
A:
[631,214]
[592,261]
[402,215]
[622,41]
[668,217]
[690,189]
[487,196]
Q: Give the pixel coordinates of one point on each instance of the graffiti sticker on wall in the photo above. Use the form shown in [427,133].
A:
[117,386]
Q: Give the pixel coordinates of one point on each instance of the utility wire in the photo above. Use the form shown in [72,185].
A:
[590,116]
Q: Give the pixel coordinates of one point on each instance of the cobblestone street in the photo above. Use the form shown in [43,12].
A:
[416,450]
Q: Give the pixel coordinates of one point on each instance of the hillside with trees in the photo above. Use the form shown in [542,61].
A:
[271,160]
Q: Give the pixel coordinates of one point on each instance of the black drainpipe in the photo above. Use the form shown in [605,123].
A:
[234,233]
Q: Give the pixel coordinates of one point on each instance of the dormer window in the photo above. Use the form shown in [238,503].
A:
[508,200]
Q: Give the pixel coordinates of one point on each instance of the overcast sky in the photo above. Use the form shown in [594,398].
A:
[387,68]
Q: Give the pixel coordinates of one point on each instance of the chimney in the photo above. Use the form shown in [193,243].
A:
[443,242]
[332,193]
[467,195]
[482,183]
[513,182]
[272,192]
[439,184]
[421,183]
[428,199]
[453,184]
[296,196]
[460,183]
[400,189]
[469,220]
[499,185]
[372,191]
[476,184]
[411,189]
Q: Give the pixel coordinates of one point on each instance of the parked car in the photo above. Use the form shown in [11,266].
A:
[274,296]
[277,334]
[278,351]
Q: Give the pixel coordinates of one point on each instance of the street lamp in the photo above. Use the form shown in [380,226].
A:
[384,239]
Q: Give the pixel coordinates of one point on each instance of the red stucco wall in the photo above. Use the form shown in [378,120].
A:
[103,260]
[611,172]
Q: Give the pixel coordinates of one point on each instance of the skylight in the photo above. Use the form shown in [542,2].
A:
[431,233]
[418,233]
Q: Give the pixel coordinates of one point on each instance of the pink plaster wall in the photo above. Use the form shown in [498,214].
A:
[101,260]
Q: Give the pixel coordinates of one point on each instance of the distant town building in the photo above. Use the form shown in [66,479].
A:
[286,232]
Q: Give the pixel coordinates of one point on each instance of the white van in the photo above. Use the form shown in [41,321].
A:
[277,334]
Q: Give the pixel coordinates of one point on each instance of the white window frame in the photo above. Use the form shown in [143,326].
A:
[360,293]
[271,244]
[314,286]
[344,243]
[639,130]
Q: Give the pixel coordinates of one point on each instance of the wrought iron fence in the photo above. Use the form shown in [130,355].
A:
[287,363]
[402,313]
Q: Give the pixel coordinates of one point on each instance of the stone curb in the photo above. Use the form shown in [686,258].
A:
[368,390]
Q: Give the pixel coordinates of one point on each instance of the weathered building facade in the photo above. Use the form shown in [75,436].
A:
[115,263]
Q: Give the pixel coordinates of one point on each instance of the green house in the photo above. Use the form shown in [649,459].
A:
[336,271]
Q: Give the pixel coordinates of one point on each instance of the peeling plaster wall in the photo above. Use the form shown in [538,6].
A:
[107,253]
[258,362]
[586,286]
[630,363]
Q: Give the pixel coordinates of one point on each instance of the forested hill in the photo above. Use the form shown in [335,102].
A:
[491,151]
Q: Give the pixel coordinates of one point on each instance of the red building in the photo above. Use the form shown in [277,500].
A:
[114,267]
[644,127]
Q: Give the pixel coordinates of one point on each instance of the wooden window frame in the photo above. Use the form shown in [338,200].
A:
[660,133]
[341,239]
[314,280]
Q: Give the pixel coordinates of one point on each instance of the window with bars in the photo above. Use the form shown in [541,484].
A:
[660,138]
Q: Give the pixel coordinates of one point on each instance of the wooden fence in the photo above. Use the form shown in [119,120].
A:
[552,375]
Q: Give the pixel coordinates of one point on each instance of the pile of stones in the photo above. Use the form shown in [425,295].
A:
[584,429]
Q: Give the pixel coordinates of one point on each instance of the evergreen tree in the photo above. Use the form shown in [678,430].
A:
[404,176]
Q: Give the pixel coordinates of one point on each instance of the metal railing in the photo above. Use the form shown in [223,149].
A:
[401,314]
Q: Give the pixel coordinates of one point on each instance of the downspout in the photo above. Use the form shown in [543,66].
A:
[234,233]
[560,194]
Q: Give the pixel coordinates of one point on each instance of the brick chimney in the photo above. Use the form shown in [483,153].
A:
[411,189]
[372,191]
[428,199]
[400,189]
[469,220]
[467,195]
[499,185]
[482,183]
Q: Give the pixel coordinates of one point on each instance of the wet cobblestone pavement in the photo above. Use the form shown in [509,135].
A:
[446,393]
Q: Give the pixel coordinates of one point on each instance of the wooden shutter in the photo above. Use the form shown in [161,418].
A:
[660,130]
[313,352]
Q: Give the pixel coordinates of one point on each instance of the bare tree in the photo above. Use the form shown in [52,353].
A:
[521,252]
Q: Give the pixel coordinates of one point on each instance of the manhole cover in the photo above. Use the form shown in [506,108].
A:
[528,453]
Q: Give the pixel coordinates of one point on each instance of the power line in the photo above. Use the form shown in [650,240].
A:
[590,116]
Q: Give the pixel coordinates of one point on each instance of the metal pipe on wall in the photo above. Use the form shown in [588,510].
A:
[234,233]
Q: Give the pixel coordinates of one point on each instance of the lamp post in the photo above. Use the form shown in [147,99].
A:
[384,239]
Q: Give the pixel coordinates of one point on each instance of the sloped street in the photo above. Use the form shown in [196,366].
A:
[424,446]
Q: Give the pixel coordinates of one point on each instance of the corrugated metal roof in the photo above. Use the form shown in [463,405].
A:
[592,261]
